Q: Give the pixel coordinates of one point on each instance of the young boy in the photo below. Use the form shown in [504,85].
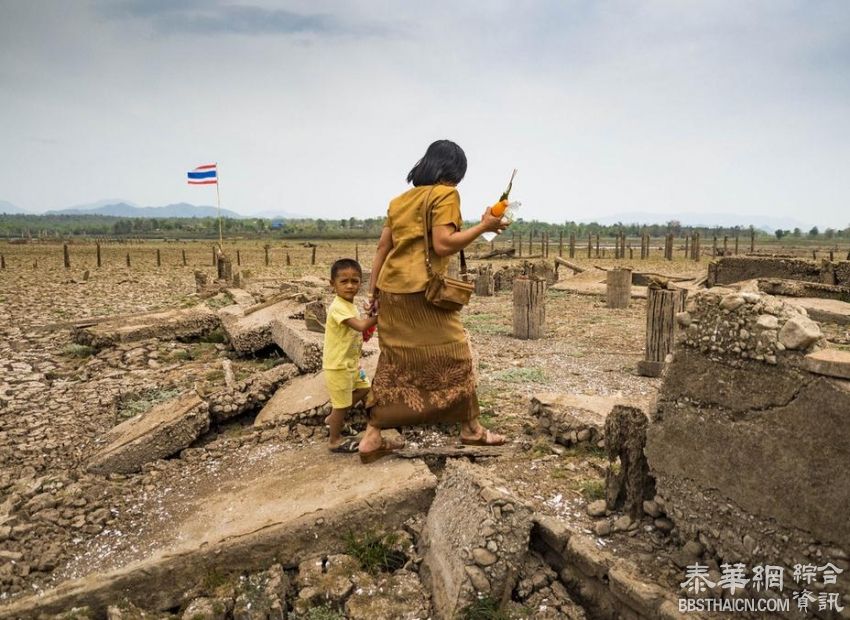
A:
[347,383]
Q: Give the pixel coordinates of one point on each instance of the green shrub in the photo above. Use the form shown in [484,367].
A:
[78,350]
[375,551]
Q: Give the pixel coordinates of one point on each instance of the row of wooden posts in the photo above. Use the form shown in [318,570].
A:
[663,304]
[66,257]
[692,249]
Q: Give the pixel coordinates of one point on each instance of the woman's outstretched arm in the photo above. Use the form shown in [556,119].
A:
[385,244]
[447,240]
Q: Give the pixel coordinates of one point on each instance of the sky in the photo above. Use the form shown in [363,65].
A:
[321,107]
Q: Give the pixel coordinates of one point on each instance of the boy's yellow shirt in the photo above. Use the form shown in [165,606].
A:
[342,344]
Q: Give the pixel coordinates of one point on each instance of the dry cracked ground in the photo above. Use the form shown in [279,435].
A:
[57,397]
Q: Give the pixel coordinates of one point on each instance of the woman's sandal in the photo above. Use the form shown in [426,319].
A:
[386,448]
[349,445]
[485,439]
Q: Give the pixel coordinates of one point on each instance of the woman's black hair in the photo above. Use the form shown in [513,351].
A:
[345,263]
[443,161]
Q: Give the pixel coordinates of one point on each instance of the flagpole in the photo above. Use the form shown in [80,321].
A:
[218,202]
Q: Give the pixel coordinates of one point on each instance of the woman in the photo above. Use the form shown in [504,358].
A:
[424,372]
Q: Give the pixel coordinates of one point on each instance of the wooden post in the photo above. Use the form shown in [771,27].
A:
[215,257]
[128,259]
[752,240]
[225,268]
[631,252]
[814,254]
[736,245]
[520,245]
[725,244]
[597,245]
[484,283]
[266,248]
[572,245]
[714,246]
[544,245]
[697,247]
[313,255]
[529,307]
[662,305]
[589,244]
[2,262]
[357,252]
[561,243]
[288,262]
[97,252]
[183,252]
[831,256]
[66,256]
[619,288]
[238,258]
[687,246]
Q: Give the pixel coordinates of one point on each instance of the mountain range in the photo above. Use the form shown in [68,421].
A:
[125,208]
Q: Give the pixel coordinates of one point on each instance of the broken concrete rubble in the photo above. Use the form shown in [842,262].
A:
[250,393]
[746,440]
[180,324]
[573,418]
[167,428]
[475,533]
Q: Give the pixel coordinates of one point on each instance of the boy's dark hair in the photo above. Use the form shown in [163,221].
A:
[345,263]
[443,161]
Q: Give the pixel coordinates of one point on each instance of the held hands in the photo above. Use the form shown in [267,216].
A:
[493,223]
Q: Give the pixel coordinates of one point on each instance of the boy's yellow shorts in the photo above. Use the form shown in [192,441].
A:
[341,383]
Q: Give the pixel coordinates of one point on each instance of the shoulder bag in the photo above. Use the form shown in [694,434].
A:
[442,291]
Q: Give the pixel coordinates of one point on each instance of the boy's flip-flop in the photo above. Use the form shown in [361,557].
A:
[387,447]
[348,446]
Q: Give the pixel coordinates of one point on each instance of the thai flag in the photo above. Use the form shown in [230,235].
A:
[203,175]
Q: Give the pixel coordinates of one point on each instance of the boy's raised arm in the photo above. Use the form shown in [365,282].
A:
[360,325]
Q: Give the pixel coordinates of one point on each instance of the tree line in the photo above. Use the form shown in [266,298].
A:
[90,225]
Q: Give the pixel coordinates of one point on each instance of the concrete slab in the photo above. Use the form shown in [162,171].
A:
[829,362]
[822,310]
[168,325]
[282,507]
[253,332]
[302,346]
[303,396]
[164,430]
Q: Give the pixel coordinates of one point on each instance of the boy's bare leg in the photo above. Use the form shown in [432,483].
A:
[335,420]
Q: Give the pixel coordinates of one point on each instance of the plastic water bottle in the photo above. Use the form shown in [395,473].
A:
[508,216]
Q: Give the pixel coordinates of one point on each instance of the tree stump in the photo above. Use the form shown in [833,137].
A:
[484,284]
[266,248]
[128,259]
[2,262]
[625,438]
[184,257]
[662,305]
[158,258]
[66,256]
[97,251]
[313,256]
[529,308]
[619,288]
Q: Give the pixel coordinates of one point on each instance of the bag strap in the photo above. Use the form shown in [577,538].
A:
[427,209]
